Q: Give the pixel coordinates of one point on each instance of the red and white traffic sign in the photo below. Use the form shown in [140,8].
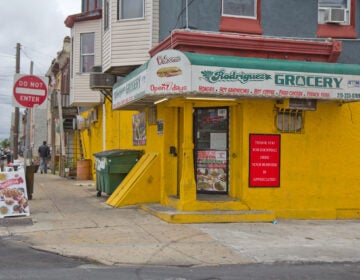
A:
[30,90]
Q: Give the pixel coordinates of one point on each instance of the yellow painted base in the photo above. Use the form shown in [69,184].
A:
[225,204]
[141,185]
[347,214]
[172,215]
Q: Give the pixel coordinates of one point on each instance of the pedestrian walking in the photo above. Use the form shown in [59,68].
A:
[44,154]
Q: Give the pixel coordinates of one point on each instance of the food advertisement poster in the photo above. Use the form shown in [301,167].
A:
[211,171]
[169,73]
[139,129]
[13,195]
[264,160]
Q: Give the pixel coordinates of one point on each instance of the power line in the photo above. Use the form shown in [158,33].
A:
[7,55]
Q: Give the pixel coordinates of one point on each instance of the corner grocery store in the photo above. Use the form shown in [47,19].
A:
[244,134]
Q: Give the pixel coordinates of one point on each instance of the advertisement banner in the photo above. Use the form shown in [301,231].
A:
[211,171]
[169,73]
[264,169]
[139,129]
[234,82]
[13,195]
[129,91]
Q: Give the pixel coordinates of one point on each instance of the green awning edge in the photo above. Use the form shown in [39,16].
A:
[132,74]
[272,64]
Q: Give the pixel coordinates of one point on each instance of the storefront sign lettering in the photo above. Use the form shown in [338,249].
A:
[242,77]
[165,59]
[167,88]
[307,81]
[129,91]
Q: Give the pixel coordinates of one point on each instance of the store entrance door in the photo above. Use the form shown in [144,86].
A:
[211,138]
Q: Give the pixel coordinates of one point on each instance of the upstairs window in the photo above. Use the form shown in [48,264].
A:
[239,8]
[89,5]
[241,16]
[334,11]
[336,19]
[131,9]
[87,52]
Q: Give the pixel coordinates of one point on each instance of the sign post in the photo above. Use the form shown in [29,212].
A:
[29,90]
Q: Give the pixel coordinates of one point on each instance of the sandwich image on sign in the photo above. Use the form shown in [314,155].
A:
[169,72]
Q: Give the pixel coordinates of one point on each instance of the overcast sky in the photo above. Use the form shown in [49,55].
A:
[38,25]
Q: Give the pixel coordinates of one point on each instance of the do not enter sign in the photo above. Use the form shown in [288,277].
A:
[29,90]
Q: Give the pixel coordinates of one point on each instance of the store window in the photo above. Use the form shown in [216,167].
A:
[87,52]
[289,121]
[131,9]
[336,18]
[242,16]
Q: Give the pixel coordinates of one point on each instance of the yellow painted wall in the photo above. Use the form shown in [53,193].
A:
[118,132]
[319,167]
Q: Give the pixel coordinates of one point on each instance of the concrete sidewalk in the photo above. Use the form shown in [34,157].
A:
[69,219]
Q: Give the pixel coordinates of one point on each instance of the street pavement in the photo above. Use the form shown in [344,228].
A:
[67,218]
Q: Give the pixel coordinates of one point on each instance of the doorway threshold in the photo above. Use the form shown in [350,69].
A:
[214,197]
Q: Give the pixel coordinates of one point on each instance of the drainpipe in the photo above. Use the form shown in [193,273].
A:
[187,15]
[104,126]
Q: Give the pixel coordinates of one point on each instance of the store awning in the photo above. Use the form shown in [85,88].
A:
[172,73]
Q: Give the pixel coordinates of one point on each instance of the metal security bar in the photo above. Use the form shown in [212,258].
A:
[289,121]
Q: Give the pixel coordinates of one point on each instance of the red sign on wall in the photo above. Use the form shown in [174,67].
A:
[264,170]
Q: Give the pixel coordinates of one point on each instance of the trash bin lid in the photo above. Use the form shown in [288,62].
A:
[112,153]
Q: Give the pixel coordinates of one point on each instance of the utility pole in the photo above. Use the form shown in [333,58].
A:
[17,110]
[28,153]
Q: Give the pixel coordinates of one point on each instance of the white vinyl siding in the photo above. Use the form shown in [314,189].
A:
[127,42]
[80,92]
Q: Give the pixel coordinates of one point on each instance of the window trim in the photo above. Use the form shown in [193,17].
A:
[240,24]
[82,55]
[329,30]
[135,18]
[106,14]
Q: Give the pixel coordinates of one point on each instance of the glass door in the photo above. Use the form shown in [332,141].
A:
[211,131]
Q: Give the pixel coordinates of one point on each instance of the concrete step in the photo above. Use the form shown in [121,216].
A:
[172,215]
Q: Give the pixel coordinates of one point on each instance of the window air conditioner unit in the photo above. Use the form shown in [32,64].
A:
[99,80]
[335,15]
[80,123]
[93,116]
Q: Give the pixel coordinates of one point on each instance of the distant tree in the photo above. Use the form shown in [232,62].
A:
[5,143]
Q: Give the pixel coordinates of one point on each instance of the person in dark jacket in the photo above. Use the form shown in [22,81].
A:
[44,154]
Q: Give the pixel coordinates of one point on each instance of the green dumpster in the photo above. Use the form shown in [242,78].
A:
[112,166]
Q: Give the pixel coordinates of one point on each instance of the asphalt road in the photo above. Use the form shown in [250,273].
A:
[21,262]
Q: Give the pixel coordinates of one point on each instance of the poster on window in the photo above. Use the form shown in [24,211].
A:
[211,171]
[139,129]
[264,160]
[13,195]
